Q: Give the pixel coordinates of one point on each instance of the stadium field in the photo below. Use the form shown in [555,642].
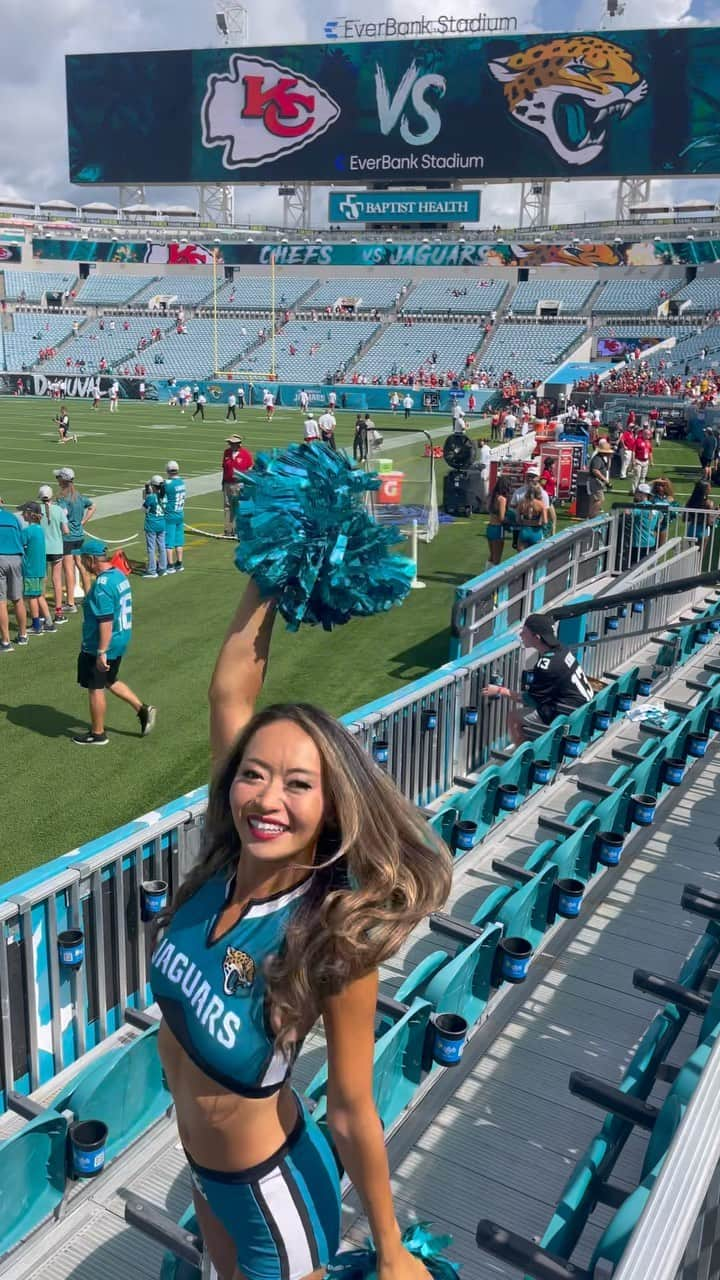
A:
[57,795]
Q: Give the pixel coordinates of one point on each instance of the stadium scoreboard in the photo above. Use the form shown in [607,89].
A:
[478,109]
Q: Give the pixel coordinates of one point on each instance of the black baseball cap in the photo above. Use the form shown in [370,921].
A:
[542,626]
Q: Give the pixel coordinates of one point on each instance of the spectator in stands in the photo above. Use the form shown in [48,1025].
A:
[663,496]
[700,522]
[11,579]
[499,512]
[644,522]
[642,458]
[54,524]
[78,510]
[175,495]
[558,684]
[598,481]
[107,626]
[236,460]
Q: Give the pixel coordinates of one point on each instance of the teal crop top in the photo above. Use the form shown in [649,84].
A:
[212,994]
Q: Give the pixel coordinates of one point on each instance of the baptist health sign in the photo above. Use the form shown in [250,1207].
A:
[404,206]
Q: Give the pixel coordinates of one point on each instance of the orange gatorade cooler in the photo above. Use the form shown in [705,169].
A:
[390,491]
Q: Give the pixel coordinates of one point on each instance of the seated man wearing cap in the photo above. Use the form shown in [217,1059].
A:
[235,461]
[557,683]
[106,631]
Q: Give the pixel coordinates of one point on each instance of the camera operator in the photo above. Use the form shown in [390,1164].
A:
[154,508]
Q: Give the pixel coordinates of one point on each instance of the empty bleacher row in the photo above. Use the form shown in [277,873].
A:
[461,297]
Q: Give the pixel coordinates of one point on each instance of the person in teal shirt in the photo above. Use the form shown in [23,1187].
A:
[78,510]
[34,568]
[154,507]
[175,494]
[54,522]
[11,579]
[106,632]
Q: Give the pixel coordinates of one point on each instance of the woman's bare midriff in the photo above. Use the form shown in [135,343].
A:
[219,1129]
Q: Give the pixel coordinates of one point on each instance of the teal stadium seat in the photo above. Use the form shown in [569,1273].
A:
[32,1177]
[124,1088]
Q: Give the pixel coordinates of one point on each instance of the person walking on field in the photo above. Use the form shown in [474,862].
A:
[232,401]
[407,403]
[200,403]
[235,462]
[107,627]
[643,456]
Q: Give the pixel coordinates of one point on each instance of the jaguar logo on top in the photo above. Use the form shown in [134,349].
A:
[260,110]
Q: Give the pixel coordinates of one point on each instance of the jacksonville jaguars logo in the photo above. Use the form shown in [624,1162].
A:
[238,971]
[571,90]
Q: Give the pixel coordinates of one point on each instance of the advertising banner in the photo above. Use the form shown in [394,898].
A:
[404,206]
[409,254]
[10,253]
[495,108]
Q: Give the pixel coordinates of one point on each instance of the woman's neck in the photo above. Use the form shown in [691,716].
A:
[258,880]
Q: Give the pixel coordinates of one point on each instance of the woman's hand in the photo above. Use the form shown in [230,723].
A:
[402,1266]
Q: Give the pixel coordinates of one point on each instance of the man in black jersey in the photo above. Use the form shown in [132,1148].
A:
[557,683]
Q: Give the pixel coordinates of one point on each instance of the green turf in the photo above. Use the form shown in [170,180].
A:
[57,795]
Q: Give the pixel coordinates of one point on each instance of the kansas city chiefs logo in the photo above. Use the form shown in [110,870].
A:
[261,110]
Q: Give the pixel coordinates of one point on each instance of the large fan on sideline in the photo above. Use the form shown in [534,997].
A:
[459,451]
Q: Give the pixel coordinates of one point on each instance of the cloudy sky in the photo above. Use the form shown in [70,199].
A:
[36,34]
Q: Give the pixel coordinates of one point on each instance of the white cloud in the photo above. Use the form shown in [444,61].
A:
[33,142]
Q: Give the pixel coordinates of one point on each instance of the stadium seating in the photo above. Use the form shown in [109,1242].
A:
[369,293]
[189,291]
[460,297]
[703,294]
[571,294]
[637,296]
[110,291]
[192,354]
[531,351]
[333,343]
[254,293]
[30,335]
[32,286]
[405,348]
[687,352]
[116,341]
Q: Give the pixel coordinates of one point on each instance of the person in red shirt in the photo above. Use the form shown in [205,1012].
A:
[627,445]
[642,458]
[235,461]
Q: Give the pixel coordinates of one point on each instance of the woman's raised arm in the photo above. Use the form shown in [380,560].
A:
[239,671]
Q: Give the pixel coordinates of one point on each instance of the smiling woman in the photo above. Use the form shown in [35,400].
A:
[314,871]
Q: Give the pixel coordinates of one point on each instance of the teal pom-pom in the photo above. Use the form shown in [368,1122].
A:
[361,1264]
[307,539]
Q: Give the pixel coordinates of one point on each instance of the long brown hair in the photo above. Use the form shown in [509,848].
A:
[379,870]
